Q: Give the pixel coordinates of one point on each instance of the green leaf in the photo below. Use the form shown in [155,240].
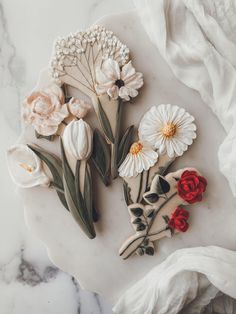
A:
[127,195]
[88,192]
[137,211]
[84,205]
[152,197]
[140,251]
[163,186]
[101,156]
[146,242]
[125,144]
[105,123]
[141,227]
[151,213]
[74,204]
[136,221]
[166,218]
[149,250]
[48,138]
[55,166]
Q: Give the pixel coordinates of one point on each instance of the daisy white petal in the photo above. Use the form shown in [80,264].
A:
[139,158]
[168,128]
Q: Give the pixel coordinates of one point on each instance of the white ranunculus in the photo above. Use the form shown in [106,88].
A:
[77,139]
[25,167]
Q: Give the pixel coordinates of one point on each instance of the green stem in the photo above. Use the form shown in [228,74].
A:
[140,187]
[149,226]
[114,147]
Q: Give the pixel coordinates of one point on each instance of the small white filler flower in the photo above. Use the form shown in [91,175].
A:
[139,158]
[168,128]
[25,167]
[117,82]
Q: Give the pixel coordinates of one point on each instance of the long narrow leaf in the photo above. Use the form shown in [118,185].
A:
[81,203]
[70,194]
[125,144]
[105,123]
[101,156]
[55,166]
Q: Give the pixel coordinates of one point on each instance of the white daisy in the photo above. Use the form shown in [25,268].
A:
[118,82]
[139,158]
[168,128]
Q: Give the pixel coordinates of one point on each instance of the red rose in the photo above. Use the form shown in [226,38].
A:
[179,219]
[191,186]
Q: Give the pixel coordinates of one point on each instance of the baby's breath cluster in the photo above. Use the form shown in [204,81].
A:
[69,49]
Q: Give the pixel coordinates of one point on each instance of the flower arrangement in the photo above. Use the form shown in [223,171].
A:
[96,63]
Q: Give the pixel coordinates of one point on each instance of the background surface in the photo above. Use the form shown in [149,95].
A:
[29,282]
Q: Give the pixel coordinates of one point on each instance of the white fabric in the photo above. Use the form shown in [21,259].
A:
[184,283]
[197,38]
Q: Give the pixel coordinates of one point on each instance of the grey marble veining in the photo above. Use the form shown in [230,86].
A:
[29,282]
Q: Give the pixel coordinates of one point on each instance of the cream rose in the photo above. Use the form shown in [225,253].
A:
[45,110]
[78,107]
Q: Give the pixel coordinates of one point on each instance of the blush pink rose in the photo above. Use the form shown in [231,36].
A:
[45,110]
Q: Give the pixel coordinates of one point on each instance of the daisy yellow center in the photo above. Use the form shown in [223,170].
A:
[169,130]
[135,148]
[27,167]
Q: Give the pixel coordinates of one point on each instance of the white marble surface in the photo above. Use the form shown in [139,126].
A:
[29,282]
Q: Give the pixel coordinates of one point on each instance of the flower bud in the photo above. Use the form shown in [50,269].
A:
[77,139]
[78,107]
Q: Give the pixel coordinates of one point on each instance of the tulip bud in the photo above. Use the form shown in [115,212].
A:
[77,139]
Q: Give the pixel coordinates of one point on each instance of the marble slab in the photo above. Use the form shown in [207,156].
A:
[96,264]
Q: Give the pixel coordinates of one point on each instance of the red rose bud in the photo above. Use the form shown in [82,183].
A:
[179,219]
[191,186]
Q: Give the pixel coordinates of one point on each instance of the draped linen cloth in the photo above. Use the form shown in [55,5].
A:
[185,283]
[197,38]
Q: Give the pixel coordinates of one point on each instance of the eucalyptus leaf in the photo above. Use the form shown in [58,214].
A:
[105,123]
[137,211]
[141,227]
[55,166]
[75,204]
[149,250]
[125,144]
[136,221]
[151,213]
[152,197]
[163,186]
[101,156]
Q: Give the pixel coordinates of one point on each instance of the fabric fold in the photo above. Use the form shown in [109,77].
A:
[198,40]
[186,281]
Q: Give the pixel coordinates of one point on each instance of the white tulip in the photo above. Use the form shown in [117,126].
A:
[77,139]
[25,167]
